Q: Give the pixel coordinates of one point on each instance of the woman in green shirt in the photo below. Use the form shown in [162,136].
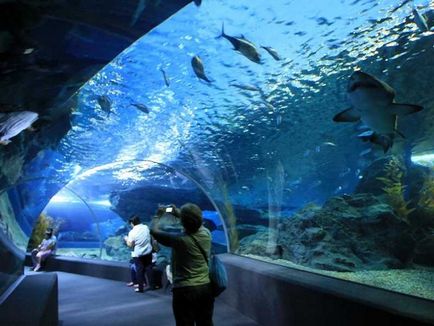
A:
[193,301]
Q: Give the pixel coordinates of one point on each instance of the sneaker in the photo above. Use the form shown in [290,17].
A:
[138,290]
[131,284]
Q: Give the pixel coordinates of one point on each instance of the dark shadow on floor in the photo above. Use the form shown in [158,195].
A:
[85,300]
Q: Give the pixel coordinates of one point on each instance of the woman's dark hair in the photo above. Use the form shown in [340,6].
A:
[191,217]
[134,220]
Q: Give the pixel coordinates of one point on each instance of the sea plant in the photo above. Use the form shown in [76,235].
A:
[42,223]
[394,189]
[231,218]
[426,198]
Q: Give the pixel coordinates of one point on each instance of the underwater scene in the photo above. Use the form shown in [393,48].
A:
[304,131]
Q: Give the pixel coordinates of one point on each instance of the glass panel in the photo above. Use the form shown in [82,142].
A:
[258,136]
[91,213]
[293,185]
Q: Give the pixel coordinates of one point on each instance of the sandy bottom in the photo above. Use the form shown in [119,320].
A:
[417,281]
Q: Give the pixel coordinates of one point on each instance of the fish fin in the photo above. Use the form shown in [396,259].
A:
[223,31]
[399,133]
[385,141]
[365,152]
[366,134]
[348,115]
[405,109]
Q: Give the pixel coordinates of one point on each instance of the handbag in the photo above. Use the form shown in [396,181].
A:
[217,271]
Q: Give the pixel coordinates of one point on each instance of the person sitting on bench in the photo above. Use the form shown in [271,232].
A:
[44,250]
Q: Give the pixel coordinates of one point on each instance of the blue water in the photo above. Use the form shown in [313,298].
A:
[259,155]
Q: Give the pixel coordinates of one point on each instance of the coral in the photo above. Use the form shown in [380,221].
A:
[394,189]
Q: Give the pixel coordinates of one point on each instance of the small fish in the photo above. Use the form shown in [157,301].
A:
[198,68]
[245,47]
[11,124]
[365,152]
[272,52]
[197,2]
[141,107]
[420,21]
[166,80]
[246,87]
[372,102]
[278,120]
[141,6]
[105,104]
[328,143]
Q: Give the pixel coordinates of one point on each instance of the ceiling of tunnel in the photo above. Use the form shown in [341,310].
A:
[253,122]
[241,135]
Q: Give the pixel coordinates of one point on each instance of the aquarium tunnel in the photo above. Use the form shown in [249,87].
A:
[303,130]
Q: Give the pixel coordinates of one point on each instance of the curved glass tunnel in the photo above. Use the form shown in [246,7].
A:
[258,140]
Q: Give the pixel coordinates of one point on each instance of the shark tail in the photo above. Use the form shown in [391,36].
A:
[223,31]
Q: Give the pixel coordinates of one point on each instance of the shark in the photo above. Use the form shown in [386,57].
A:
[245,47]
[373,103]
[199,69]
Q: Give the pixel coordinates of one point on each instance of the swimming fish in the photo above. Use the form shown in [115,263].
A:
[105,103]
[245,47]
[11,124]
[246,87]
[420,21]
[198,68]
[372,102]
[272,52]
[166,80]
[141,6]
[329,143]
[141,107]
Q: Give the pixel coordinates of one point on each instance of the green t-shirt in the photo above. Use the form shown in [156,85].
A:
[189,267]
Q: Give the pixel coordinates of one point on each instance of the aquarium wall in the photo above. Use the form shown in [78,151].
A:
[48,50]
[305,132]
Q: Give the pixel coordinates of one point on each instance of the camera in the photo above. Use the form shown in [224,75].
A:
[169,209]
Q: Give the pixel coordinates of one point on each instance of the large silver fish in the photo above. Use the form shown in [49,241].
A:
[198,68]
[11,124]
[372,102]
[245,47]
